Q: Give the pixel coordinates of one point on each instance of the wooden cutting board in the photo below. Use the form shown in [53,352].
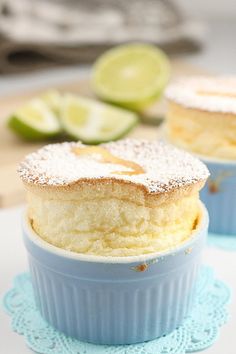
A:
[13,149]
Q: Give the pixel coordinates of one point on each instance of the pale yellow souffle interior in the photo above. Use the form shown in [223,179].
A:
[113,220]
[206,133]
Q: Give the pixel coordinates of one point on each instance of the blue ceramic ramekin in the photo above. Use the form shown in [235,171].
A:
[115,300]
[219,196]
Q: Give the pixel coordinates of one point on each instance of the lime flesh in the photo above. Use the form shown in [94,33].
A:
[93,122]
[132,75]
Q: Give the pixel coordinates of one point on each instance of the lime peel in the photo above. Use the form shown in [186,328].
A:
[34,121]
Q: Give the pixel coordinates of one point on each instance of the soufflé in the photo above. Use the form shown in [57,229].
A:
[123,198]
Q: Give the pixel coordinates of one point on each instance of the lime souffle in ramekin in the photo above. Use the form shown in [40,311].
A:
[201,118]
[114,235]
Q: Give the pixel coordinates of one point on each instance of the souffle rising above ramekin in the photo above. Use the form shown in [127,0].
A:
[201,118]
[114,235]
[118,199]
[201,115]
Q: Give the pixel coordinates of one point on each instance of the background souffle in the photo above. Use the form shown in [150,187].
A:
[201,115]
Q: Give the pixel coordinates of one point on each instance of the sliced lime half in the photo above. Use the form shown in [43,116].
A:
[132,75]
[34,121]
[93,122]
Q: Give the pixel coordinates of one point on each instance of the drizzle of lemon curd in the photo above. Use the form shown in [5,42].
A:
[107,157]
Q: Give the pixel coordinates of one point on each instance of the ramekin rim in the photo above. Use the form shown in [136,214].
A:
[38,241]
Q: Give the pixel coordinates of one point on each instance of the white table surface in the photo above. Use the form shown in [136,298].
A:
[13,261]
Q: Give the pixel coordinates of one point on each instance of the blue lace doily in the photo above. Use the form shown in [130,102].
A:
[198,332]
[227,242]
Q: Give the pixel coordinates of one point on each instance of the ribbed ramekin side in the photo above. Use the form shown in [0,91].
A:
[219,196]
[222,211]
[113,312]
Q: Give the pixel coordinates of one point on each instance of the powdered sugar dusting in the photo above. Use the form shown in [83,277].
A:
[166,167]
[220,97]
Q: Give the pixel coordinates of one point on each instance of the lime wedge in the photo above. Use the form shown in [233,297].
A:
[131,75]
[94,122]
[53,99]
[34,121]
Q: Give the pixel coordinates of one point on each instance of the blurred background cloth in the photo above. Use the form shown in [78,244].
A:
[43,33]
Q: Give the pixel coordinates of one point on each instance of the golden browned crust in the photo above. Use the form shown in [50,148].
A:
[121,189]
[177,107]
